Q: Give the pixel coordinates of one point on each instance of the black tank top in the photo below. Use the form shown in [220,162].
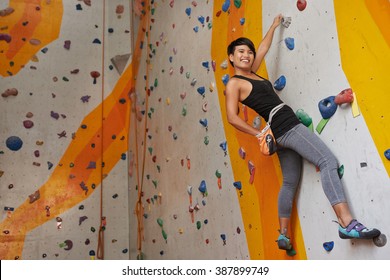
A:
[262,99]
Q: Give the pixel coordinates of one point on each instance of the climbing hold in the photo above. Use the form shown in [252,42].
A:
[327,107]
[14,143]
[164,234]
[223,237]
[321,125]
[340,171]
[226,5]
[223,146]
[7,11]
[345,96]
[286,21]
[28,124]
[96,41]
[242,21]
[304,118]
[203,122]
[196,29]
[387,154]
[328,246]
[49,165]
[251,168]
[201,91]
[280,83]
[67,44]
[68,245]
[242,152]
[82,219]
[160,222]
[289,43]
[35,42]
[92,254]
[301,4]
[91,165]
[219,180]
[256,123]
[203,188]
[237,185]
[201,19]
[206,140]
[225,79]
[204,107]
[5,37]
[119,9]
[237,3]
[205,64]
[95,75]
[10,92]
[34,197]
[188,11]
[198,224]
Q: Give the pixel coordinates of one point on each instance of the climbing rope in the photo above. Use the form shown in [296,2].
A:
[139,209]
[100,246]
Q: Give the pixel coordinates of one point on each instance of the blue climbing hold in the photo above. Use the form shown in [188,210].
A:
[188,11]
[280,83]
[205,64]
[201,90]
[237,185]
[201,19]
[226,5]
[225,79]
[328,246]
[203,122]
[387,154]
[327,107]
[196,29]
[223,145]
[14,143]
[242,21]
[202,187]
[289,43]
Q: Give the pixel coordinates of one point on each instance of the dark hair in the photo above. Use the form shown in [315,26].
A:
[238,42]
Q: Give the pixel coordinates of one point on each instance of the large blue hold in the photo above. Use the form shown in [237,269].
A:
[290,43]
[387,154]
[327,107]
[280,83]
[226,5]
[14,143]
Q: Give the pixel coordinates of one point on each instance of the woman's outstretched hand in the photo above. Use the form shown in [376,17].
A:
[277,20]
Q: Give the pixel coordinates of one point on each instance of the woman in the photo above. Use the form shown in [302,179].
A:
[294,140]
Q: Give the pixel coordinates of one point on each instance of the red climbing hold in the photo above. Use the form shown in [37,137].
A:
[301,4]
[345,96]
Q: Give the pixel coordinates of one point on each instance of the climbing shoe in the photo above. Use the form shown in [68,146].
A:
[357,230]
[284,244]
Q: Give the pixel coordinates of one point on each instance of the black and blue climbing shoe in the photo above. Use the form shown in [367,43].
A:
[357,230]
[284,244]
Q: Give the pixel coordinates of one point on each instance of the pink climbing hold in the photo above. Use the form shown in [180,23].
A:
[301,5]
[28,124]
[345,96]
[10,92]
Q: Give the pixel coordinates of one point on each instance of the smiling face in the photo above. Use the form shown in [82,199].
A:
[242,57]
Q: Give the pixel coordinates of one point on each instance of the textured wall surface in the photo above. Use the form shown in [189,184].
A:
[142,162]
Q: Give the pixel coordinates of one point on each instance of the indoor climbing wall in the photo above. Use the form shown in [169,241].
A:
[64,121]
[114,142]
[199,189]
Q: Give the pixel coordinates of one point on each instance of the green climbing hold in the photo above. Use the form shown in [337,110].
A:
[184,111]
[164,234]
[155,82]
[154,183]
[160,222]
[340,171]
[198,224]
[237,3]
[150,149]
[206,140]
[321,125]
[218,173]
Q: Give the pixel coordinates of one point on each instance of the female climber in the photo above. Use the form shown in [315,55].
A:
[294,140]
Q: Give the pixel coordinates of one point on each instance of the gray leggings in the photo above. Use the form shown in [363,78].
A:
[300,143]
